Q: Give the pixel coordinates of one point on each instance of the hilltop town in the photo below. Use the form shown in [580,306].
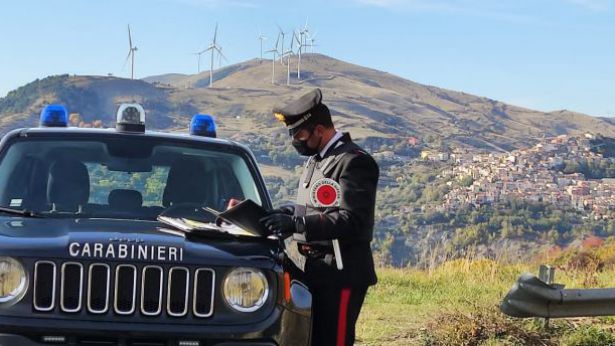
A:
[534,174]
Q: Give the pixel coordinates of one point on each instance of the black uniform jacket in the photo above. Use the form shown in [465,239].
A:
[350,219]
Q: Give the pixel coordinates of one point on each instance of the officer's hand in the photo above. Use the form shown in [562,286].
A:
[279,224]
[288,209]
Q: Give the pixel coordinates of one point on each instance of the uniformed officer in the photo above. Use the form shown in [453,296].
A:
[335,207]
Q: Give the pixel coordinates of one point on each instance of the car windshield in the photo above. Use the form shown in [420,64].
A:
[120,177]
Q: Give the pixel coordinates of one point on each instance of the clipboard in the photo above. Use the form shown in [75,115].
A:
[245,215]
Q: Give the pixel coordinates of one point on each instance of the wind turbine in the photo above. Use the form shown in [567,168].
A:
[213,47]
[261,38]
[301,45]
[282,34]
[274,51]
[131,54]
[221,57]
[287,55]
[198,64]
[312,40]
[304,33]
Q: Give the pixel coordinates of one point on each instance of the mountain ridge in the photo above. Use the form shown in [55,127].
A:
[371,104]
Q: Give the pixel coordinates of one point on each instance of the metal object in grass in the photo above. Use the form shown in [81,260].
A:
[532,297]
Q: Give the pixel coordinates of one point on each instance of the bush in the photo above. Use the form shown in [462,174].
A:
[479,326]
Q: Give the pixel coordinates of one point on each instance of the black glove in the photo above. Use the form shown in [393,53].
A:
[279,224]
[288,209]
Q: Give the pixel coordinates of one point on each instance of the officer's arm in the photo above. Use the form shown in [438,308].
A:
[355,216]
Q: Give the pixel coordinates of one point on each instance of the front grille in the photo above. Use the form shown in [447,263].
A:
[151,291]
[44,285]
[203,302]
[71,287]
[123,289]
[177,291]
[99,279]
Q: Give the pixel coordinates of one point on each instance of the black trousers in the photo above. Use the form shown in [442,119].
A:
[335,312]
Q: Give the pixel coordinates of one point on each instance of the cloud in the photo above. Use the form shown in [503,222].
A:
[214,3]
[594,5]
[481,6]
[381,3]
[506,10]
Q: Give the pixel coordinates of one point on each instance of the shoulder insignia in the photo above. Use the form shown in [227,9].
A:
[326,192]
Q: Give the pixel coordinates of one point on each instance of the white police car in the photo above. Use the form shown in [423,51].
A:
[87,259]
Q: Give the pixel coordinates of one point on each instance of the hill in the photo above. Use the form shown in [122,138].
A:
[375,106]
[392,117]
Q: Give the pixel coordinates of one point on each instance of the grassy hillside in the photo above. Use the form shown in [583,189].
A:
[92,97]
[456,303]
[373,105]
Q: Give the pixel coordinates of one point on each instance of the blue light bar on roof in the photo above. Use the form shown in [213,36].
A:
[203,125]
[54,116]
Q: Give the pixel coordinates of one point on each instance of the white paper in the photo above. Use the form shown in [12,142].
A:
[291,248]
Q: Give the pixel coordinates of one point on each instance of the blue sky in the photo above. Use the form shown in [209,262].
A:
[542,54]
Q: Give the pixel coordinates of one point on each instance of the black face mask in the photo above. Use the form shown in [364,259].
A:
[302,147]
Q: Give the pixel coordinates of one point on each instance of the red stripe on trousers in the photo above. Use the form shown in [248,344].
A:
[341,321]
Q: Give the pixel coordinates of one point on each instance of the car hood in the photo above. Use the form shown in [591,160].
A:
[125,241]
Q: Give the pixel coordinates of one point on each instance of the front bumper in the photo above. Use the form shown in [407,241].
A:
[19,340]
[282,327]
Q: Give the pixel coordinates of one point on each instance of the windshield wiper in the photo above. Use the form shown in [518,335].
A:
[22,212]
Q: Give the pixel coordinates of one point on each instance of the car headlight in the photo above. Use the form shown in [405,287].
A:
[245,289]
[12,279]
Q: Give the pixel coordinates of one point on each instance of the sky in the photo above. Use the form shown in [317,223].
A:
[541,54]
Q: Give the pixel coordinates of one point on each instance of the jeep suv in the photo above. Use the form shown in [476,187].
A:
[87,259]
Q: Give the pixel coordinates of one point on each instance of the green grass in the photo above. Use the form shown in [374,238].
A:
[457,304]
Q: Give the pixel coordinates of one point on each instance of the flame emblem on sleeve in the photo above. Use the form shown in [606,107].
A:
[326,193]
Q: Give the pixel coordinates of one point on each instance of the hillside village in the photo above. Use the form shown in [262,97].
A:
[532,174]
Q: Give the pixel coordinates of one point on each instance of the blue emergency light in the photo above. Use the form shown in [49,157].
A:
[203,125]
[54,116]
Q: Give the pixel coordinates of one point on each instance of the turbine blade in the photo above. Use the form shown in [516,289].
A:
[215,33]
[126,61]
[129,37]
[220,52]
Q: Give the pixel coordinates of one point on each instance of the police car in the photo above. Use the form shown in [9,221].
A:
[104,240]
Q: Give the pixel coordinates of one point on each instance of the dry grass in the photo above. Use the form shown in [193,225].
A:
[456,303]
